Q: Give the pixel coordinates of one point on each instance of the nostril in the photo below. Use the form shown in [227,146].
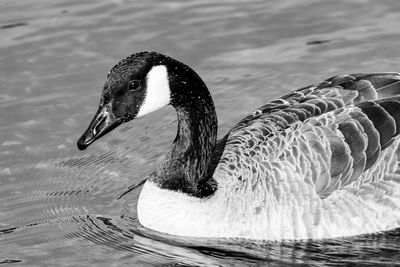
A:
[99,125]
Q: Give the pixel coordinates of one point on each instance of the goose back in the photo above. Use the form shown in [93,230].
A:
[329,134]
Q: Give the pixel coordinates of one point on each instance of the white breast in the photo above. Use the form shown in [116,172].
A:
[344,213]
[292,210]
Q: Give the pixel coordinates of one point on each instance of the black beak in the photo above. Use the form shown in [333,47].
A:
[103,122]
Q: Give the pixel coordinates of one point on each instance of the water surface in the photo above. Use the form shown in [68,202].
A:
[62,206]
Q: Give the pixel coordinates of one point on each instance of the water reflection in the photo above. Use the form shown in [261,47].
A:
[125,241]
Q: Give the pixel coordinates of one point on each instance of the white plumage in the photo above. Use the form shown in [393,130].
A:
[158,92]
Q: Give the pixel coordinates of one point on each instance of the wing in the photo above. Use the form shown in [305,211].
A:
[331,134]
[328,95]
[350,144]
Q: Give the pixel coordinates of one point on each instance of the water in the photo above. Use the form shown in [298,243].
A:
[61,206]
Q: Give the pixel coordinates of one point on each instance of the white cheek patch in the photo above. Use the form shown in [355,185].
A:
[158,92]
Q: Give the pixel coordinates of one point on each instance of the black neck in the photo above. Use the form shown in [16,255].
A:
[185,166]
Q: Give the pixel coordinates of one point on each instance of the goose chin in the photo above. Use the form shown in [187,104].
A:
[103,122]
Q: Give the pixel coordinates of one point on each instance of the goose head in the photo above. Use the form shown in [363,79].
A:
[140,84]
[136,86]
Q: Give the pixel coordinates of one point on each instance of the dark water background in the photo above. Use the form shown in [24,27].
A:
[60,206]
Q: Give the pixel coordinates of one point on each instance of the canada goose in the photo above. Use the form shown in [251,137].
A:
[319,162]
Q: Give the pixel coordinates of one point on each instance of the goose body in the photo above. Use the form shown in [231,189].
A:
[319,162]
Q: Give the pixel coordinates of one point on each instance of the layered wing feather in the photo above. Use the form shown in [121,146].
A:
[332,133]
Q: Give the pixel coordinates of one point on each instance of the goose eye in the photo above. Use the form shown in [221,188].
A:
[134,85]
